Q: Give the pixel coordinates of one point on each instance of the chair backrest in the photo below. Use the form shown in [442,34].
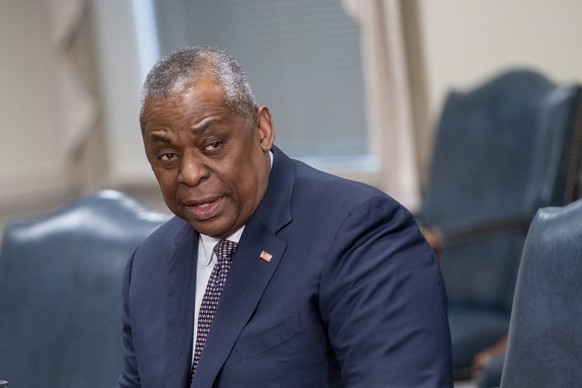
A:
[60,291]
[502,150]
[545,334]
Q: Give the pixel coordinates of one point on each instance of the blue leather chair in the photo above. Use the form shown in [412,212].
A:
[544,346]
[60,292]
[502,151]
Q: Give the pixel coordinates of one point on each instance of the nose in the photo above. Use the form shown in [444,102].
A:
[193,171]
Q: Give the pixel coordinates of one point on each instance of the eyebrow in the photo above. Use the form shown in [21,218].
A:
[206,124]
[160,138]
[198,130]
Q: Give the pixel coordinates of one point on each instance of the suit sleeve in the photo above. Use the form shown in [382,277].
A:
[382,298]
[129,374]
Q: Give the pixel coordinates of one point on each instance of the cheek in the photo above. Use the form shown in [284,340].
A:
[246,189]
[166,181]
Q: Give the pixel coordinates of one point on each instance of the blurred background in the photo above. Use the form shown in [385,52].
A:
[355,87]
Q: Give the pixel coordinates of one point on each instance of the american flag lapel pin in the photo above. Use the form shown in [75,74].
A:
[266,256]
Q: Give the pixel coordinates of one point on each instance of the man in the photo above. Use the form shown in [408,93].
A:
[331,283]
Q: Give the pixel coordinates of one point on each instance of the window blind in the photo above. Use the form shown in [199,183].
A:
[302,59]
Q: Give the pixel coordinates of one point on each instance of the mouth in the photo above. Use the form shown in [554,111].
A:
[204,209]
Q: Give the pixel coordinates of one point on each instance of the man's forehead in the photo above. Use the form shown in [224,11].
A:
[182,91]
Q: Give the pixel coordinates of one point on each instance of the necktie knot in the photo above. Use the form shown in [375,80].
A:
[224,249]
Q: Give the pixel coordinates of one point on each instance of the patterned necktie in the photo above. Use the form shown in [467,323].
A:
[224,250]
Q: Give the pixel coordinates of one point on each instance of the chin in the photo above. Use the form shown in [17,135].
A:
[215,231]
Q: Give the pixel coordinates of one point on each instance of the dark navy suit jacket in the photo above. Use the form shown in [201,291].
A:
[352,297]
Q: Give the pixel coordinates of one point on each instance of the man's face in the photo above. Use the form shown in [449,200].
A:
[211,163]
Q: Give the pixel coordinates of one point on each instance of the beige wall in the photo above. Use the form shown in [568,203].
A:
[453,43]
[467,41]
[36,173]
[27,92]
[30,137]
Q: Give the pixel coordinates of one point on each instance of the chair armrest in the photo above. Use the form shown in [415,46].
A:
[440,238]
[489,229]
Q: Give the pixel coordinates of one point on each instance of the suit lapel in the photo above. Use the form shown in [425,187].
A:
[250,273]
[180,307]
[246,282]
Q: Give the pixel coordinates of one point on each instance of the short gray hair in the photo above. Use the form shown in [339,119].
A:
[181,69]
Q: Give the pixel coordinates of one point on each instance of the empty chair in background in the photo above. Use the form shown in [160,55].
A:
[60,291]
[502,151]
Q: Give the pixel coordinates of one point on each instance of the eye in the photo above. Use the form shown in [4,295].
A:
[168,156]
[213,146]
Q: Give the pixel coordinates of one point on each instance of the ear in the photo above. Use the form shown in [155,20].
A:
[265,128]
